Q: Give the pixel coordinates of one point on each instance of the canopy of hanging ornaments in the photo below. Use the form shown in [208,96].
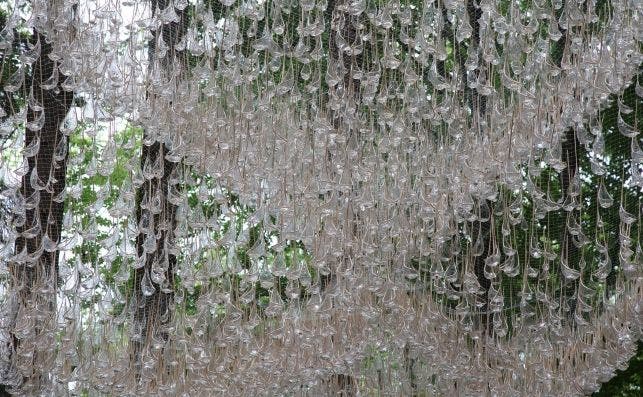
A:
[319,197]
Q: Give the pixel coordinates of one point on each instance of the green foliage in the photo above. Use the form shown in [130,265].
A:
[87,178]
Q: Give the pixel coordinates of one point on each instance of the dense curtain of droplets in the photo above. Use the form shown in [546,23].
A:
[319,197]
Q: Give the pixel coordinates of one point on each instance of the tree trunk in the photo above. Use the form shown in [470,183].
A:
[34,269]
[154,282]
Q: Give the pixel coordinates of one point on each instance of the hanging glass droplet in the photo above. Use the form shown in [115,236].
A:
[605,200]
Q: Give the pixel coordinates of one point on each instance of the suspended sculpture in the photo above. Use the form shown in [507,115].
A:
[313,197]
